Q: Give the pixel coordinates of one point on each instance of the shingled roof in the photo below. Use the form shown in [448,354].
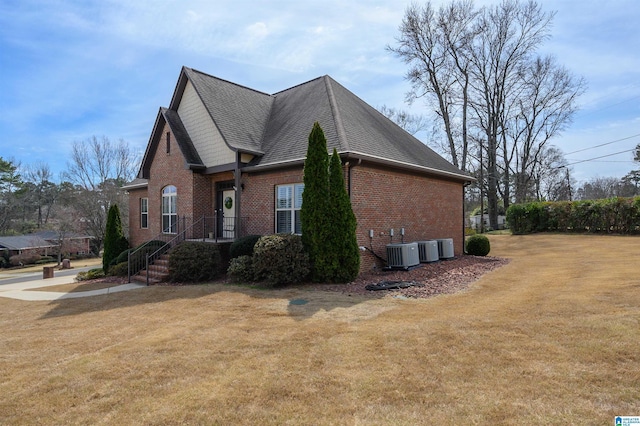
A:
[275,128]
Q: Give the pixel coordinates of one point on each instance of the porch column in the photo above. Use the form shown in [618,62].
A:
[237,174]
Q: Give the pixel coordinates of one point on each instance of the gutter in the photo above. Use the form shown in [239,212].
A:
[135,186]
[366,157]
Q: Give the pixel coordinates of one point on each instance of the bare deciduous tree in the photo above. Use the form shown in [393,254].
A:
[412,123]
[97,170]
[43,190]
[479,69]
[434,46]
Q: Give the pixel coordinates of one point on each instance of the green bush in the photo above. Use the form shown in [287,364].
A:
[114,240]
[478,245]
[91,274]
[280,259]
[194,262]
[241,268]
[119,270]
[613,215]
[243,246]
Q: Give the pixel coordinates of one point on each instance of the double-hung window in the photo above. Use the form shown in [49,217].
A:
[288,204]
[144,213]
[169,210]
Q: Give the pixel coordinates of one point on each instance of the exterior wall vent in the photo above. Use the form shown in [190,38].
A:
[445,248]
[403,256]
[428,251]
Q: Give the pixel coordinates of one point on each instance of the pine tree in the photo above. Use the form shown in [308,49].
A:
[315,202]
[114,240]
[345,256]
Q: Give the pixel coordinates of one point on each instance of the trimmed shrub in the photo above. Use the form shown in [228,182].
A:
[280,259]
[612,215]
[91,274]
[119,270]
[243,246]
[24,259]
[194,262]
[44,260]
[241,268]
[478,245]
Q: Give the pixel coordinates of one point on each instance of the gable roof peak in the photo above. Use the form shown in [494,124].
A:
[189,72]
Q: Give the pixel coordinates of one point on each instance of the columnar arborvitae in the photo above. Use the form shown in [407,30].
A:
[343,240]
[315,201]
[114,240]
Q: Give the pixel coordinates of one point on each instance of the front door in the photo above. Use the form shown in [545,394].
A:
[228,213]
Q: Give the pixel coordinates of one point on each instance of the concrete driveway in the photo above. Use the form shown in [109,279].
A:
[20,286]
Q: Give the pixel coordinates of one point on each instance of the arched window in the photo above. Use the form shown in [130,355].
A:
[169,210]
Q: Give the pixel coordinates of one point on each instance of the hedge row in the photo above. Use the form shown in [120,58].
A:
[614,215]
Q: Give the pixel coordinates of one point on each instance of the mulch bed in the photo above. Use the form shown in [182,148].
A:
[428,280]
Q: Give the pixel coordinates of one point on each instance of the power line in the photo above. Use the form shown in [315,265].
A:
[604,144]
[612,161]
[602,156]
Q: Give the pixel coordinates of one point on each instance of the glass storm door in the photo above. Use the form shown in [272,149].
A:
[228,213]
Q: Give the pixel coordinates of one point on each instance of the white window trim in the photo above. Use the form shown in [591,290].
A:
[144,213]
[170,214]
[295,193]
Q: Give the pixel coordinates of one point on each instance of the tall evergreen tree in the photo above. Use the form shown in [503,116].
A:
[315,201]
[343,241]
[114,240]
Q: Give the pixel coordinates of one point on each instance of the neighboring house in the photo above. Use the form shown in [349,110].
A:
[26,244]
[224,150]
[476,221]
[72,242]
[45,243]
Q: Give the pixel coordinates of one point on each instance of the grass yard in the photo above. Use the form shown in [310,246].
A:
[551,338]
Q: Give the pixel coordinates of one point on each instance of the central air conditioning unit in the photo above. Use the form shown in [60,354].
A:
[403,256]
[445,248]
[428,251]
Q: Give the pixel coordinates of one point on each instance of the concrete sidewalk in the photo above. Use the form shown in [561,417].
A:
[21,290]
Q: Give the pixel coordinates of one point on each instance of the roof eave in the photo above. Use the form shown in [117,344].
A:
[138,185]
[370,158]
[407,166]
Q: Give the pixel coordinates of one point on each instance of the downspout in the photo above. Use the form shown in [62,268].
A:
[237,187]
[464,249]
[349,167]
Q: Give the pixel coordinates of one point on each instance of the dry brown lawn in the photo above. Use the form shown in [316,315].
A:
[551,338]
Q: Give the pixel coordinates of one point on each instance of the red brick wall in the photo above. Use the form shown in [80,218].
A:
[194,195]
[137,235]
[382,199]
[425,207]
[258,198]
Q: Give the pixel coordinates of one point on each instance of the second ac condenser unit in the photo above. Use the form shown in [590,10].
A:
[402,255]
[428,251]
[445,248]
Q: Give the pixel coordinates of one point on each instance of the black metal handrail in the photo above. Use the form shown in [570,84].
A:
[181,236]
[205,228]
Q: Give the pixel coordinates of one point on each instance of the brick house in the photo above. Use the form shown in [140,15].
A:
[235,155]
[46,243]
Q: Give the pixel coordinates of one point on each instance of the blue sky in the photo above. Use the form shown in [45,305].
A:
[77,68]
